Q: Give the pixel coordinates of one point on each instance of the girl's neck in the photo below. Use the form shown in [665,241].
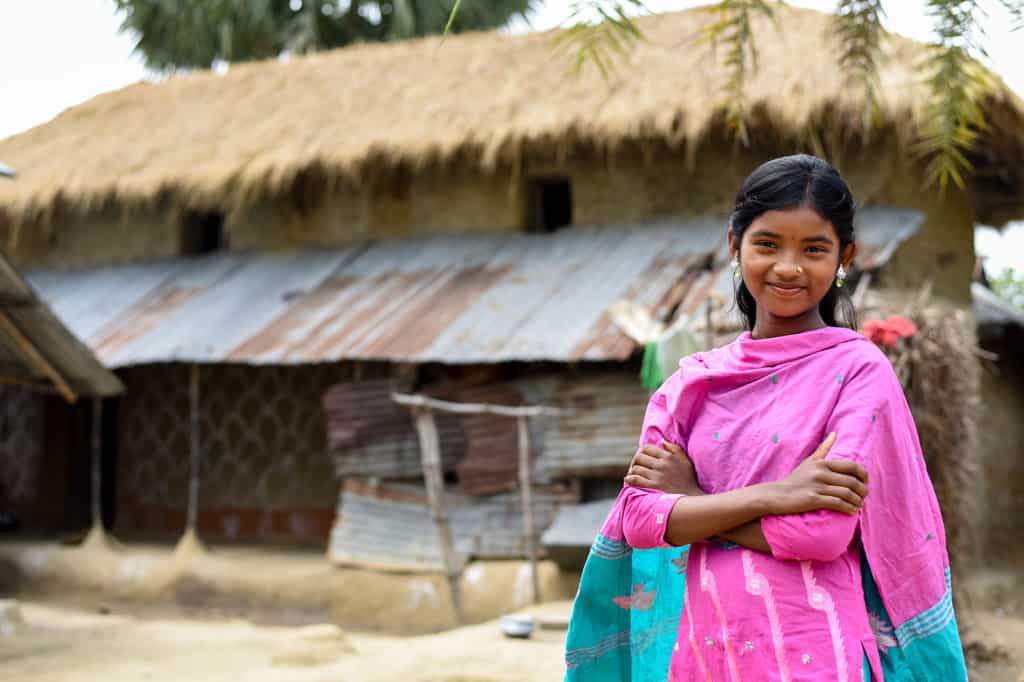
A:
[769,326]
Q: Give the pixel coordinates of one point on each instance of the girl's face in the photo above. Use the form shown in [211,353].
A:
[788,260]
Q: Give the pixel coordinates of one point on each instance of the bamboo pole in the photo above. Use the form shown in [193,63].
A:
[430,454]
[194,461]
[709,330]
[526,494]
[97,463]
[419,401]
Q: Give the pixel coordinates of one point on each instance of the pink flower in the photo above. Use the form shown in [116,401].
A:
[888,332]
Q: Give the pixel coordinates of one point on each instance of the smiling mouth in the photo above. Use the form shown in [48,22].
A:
[784,290]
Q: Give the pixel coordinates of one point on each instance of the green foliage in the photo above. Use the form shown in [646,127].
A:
[603,42]
[732,27]
[1009,286]
[958,84]
[858,27]
[188,34]
[957,81]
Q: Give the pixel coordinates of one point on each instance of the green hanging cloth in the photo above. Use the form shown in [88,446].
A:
[651,373]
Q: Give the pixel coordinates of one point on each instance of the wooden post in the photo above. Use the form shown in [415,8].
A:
[194,460]
[526,494]
[97,463]
[430,454]
[709,330]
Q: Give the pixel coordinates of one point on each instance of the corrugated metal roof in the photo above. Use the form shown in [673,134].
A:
[453,299]
[44,342]
[880,231]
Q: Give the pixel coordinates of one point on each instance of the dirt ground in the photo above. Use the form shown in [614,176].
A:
[114,614]
[62,644]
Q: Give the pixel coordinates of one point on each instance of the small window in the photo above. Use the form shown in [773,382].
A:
[548,204]
[202,232]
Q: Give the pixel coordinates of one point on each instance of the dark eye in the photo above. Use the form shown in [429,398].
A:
[765,243]
[816,249]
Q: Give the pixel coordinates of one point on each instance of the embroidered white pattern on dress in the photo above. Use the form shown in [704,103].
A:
[758,585]
[821,600]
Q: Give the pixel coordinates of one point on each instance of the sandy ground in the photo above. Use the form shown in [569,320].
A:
[279,587]
[61,644]
[116,614]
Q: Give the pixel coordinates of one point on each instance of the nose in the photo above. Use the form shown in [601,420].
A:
[787,270]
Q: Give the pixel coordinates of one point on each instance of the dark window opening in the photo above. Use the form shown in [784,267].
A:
[548,204]
[202,232]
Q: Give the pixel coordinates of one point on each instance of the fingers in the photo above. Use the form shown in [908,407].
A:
[848,467]
[844,494]
[837,504]
[676,450]
[644,460]
[825,446]
[639,470]
[638,481]
[850,482]
[654,451]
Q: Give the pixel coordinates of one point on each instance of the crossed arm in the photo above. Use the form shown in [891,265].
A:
[812,514]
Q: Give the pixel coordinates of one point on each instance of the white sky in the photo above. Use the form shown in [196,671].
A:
[57,53]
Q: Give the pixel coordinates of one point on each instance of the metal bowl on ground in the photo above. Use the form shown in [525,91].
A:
[518,627]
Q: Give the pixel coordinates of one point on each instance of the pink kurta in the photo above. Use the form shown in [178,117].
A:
[798,614]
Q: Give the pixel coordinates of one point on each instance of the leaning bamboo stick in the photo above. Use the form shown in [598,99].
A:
[526,494]
[430,453]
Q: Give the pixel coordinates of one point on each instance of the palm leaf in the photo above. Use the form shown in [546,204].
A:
[957,84]
[732,27]
[858,28]
[604,43]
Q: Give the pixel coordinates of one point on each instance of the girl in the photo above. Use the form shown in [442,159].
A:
[799,568]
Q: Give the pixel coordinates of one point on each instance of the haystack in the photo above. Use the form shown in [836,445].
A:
[940,370]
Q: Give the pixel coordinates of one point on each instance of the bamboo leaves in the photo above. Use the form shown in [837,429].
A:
[958,84]
[732,27]
[600,33]
[858,27]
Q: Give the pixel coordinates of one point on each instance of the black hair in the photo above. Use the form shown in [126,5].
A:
[790,182]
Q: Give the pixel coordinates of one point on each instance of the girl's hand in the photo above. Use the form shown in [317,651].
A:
[667,468]
[839,485]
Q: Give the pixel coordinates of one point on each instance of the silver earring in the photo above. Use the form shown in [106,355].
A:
[735,268]
[840,277]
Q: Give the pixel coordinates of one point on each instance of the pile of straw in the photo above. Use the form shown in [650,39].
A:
[940,371]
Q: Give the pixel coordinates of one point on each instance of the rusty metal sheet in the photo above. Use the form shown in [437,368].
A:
[455,299]
[491,461]
[392,525]
[600,435]
[368,434]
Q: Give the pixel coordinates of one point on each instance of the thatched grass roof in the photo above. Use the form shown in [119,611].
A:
[482,99]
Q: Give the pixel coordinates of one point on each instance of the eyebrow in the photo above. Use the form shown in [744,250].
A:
[820,238]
